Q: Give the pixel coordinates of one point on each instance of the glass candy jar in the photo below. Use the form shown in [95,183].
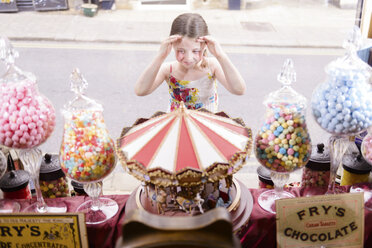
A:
[317,171]
[87,152]
[342,105]
[356,169]
[283,143]
[14,184]
[27,118]
[53,182]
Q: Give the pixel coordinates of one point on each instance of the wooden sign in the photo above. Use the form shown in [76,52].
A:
[43,230]
[327,220]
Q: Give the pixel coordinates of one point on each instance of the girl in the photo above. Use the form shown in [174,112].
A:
[192,77]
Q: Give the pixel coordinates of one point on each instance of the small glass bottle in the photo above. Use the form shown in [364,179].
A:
[356,170]
[53,181]
[14,184]
[317,171]
[264,178]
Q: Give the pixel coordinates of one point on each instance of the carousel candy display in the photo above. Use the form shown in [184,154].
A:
[283,143]
[87,152]
[27,118]
[186,160]
[342,105]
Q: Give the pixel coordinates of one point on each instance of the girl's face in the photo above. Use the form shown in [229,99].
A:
[188,51]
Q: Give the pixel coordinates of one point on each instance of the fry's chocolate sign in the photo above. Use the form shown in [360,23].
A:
[42,230]
[331,220]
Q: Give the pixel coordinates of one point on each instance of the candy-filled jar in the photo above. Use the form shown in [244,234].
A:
[356,169]
[14,184]
[87,152]
[283,143]
[53,182]
[317,171]
[27,118]
[342,105]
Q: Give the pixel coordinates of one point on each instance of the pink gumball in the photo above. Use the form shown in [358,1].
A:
[13,100]
[8,134]
[20,95]
[6,127]
[290,151]
[26,136]
[27,119]
[13,126]
[8,142]
[33,132]
[12,108]
[19,121]
[15,138]
[22,141]
[31,125]
[35,118]
[23,127]
[19,133]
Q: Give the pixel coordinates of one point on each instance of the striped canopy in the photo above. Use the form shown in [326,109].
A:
[184,147]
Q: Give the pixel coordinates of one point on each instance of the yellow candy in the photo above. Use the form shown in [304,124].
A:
[276,141]
[279,155]
[284,125]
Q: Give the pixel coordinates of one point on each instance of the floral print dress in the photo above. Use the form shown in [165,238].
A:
[201,93]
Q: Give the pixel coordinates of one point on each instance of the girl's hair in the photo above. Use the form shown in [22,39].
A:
[191,25]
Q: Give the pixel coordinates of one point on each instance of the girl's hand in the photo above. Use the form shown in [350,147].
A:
[213,46]
[166,45]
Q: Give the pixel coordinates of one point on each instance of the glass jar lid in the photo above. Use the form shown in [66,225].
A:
[356,164]
[286,95]
[14,180]
[8,56]
[350,66]
[80,102]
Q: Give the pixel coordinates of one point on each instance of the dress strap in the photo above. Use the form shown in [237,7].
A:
[170,71]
